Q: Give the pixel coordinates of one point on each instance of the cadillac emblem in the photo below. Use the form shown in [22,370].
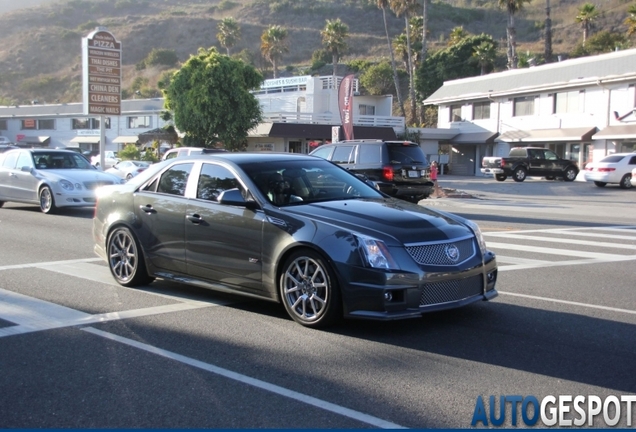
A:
[452,252]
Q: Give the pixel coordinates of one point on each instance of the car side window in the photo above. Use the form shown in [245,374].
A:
[535,154]
[343,154]
[24,159]
[10,160]
[324,152]
[632,161]
[213,180]
[369,154]
[174,180]
[550,155]
[171,155]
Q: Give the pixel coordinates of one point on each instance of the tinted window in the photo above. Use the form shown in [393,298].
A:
[369,154]
[174,180]
[613,159]
[518,152]
[550,155]
[406,154]
[632,161]
[213,180]
[343,154]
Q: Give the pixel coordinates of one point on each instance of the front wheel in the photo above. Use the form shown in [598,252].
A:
[47,201]
[125,259]
[309,290]
[600,184]
[500,177]
[570,174]
[519,174]
[626,182]
[129,176]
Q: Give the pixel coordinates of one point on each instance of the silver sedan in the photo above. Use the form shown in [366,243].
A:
[128,169]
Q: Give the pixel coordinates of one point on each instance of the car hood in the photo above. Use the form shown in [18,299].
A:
[78,175]
[393,221]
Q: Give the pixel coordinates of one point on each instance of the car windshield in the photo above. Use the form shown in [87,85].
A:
[308,181]
[60,160]
[612,159]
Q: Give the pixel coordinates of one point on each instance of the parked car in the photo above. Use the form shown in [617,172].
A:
[294,229]
[633,179]
[110,159]
[189,151]
[128,169]
[613,169]
[6,147]
[4,141]
[397,168]
[524,162]
[50,178]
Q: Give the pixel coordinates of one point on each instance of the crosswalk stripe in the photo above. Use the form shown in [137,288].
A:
[553,251]
[570,241]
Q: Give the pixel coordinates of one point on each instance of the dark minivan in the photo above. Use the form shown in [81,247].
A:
[397,168]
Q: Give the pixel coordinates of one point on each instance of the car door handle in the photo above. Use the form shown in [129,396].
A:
[194,218]
[147,208]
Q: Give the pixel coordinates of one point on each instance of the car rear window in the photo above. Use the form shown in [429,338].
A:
[401,154]
[613,158]
[518,152]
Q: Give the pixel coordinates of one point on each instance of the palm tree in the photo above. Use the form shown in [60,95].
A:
[630,21]
[333,38]
[405,8]
[274,45]
[485,54]
[587,14]
[229,33]
[383,4]
[401,49]
[456,35]
[424,29]
[512,6]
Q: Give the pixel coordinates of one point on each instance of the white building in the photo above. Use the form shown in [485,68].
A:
[583,109]
[298,113]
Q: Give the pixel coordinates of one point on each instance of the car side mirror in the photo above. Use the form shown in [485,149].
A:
[234,197]
[26,168]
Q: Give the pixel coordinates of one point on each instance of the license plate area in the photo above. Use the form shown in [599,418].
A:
[414,174]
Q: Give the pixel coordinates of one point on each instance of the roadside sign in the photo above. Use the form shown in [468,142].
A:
[101,61]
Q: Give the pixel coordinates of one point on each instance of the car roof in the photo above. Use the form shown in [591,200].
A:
[247,157]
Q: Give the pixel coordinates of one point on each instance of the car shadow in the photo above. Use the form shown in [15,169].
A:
[77,212]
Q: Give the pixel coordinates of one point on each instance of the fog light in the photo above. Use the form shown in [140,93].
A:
[490,277]
[388,296]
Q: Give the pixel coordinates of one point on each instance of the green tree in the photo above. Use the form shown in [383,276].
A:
[450,63]
[161,57]
[512,7]
[274,45]
[130,152]
[601,42]
[456,35]
[229,33]
[211,100]
[383,4]
[587,13]
[378,79]
[630,21]
[334,37]
[485,55]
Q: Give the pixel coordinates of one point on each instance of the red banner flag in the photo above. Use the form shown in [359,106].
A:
[345,104]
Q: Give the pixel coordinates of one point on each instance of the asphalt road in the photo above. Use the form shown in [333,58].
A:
[79,351]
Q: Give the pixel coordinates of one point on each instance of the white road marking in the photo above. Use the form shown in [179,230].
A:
[50,263]
[585,305]
[570,241]
[263,385]
[565,252]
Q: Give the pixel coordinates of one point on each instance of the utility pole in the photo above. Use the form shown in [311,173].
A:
[548,33]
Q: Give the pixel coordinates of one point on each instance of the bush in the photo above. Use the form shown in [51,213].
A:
[130,152]
[161,57]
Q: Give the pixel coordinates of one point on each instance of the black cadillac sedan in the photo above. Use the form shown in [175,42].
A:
[294,229]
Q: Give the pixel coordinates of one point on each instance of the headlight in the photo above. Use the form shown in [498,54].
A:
[66,185]
[376,253]
[480,237]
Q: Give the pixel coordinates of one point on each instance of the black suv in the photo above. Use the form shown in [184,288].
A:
[397,168]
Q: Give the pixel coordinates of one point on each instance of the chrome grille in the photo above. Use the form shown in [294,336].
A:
[96,184]
[437,253]
[451,290]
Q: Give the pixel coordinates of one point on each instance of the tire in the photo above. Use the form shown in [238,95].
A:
[128,177]
[47,200]
[309,290]
[125,259]
[626,182]
[519,174]
[500,177]
[570,174]
[549,177]
[1,204]
[600,184]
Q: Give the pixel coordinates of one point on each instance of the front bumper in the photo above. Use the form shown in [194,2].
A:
[412,295]
[83,198]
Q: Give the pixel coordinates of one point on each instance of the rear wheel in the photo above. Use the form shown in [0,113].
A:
[570,174]
[129,176]
[47,201]
[309,290]
[125,259]
[626,182]
[500,177]
[600,184]
[1,203]
[519,175]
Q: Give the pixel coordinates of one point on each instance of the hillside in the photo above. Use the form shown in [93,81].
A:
[41,54]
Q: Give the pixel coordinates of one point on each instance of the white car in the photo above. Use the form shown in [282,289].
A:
[613,169]
[189,151]
[50,178]
[128,169]
[110,159]
[633,179]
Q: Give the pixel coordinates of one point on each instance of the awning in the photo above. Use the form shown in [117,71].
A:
[617,132]
[126,139]
[37,140]
[86,139]
[543,135]
[319,131]
[475,138]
